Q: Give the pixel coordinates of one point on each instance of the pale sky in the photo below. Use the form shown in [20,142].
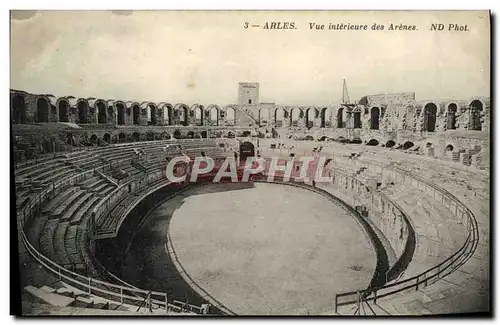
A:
[190,57]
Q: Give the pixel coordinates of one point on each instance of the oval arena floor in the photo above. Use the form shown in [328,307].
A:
[256,248]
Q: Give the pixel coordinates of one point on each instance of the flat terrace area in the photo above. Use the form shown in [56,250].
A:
[265,249]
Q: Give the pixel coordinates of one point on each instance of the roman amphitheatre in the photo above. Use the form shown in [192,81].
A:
[402,228]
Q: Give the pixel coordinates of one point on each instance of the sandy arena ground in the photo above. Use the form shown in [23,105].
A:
[270,249]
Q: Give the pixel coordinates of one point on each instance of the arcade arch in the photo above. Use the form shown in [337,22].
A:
[430,112]
[475,111]
[42,110]
[101,112]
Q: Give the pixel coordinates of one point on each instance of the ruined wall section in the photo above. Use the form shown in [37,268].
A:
[393,110]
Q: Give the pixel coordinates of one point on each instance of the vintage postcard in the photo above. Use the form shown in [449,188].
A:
[251,163]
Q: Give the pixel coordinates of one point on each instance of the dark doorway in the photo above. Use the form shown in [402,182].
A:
[101,113]
[390,144]
[70,139]
[93,139]
[82,112]
[407,145]
[120,109]
[247,149]
[136,114]
[475,109]
[63,111]
[107,137]
[451,118]
[430,111]
[357,120]
[18,110]
[375,117]
[42,110]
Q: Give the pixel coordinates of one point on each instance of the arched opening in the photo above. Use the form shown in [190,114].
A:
[372,142]
[264,115]
[122,138]
[230,116]
[136,114]
[198,115]
[357,120]
[106,138]
[326,117]
[449,147]
[63,111]
[356,141]
[204,134]
[183,114]
[150,136]
[214,115]
[230,135]
[247,149]
[374,118]
[475,111]
[340,121]
[93,139]
[42,110]
[153,113]
[323,138]
[407,145]
[177,134]
[18,107]
[190,135]
[390,144]
[101,113]
[309,138]
[279,115]
[430,111]
[451,117]
[83,109]
[246,133]
[428,145]
[120,109]
[136,137]
[311,114]
[295,115]
[70,139]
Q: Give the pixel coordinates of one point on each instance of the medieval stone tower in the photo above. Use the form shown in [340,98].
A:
[248,94]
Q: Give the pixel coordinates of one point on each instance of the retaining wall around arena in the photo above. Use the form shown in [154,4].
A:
[462,216]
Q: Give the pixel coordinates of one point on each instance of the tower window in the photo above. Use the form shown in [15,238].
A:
[249,101]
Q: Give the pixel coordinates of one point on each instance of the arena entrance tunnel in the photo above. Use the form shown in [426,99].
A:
[247,149]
